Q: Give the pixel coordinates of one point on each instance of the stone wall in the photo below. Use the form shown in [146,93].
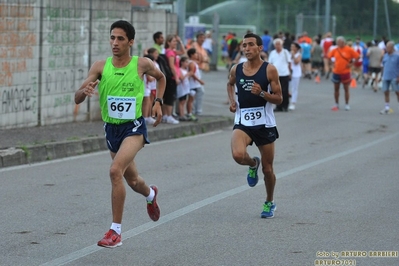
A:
[47,48]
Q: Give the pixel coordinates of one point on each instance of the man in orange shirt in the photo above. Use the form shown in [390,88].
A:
[344,57]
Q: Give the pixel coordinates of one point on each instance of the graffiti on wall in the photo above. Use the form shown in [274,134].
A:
[18,82]
[50,44]
[20,98]
[16,41]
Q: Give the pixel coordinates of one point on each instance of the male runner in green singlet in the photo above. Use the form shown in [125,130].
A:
[121,90]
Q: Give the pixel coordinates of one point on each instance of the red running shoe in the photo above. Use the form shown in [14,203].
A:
[111,240]
[152,206]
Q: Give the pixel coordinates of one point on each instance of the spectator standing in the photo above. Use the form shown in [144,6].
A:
[158,42]
[375,54]
[296,73]
[195,81]
[183,88]
[172,54]
[345,57]
[358,66]
[317,58]
[266,39]
[281,59]
[326,44]
[306,49]
[203,63]
[390,75]
[208,43]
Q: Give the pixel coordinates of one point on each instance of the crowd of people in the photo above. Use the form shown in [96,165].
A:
[373,64]
[183,65]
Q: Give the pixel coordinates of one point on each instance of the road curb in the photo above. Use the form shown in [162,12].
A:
[56,150]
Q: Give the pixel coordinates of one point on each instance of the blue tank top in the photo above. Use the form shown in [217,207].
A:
[252,110]
[306,50]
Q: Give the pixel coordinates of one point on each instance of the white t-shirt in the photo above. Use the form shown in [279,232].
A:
[207,44]
[183,88]
[281,61]
[296,68]
[194,84]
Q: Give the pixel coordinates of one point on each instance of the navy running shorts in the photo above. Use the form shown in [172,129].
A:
[115,134]
[260,135]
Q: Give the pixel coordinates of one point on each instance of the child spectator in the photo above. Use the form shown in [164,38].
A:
[195,81]
[150,88]
[183,88]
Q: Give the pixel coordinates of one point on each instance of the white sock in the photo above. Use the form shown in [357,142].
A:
[151,196]
[256,164]
[117,228]
[386,106]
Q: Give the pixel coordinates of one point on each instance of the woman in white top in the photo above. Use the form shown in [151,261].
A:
[296,73]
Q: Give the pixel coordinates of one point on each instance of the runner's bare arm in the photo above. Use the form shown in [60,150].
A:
[88,86]
[276,96]
[231,89]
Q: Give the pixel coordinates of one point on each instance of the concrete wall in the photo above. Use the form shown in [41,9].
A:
[47,47]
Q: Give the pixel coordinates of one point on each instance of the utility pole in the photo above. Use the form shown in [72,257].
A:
[317,16]
[375,19]
[327,16]
[387,17]
[181,18]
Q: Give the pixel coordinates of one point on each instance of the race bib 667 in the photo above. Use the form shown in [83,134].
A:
[121,107]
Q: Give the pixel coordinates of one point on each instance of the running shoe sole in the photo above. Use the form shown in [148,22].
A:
[152,207]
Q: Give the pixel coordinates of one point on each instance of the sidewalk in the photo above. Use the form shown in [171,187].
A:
[37,144]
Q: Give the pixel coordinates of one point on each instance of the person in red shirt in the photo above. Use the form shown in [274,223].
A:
[344,57]
[326,43]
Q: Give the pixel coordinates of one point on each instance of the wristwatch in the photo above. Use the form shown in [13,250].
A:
[158,100]
[262,94]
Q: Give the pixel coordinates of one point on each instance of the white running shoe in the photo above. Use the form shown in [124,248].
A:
[149,120]
[291,107]
[172,120]
[347,107]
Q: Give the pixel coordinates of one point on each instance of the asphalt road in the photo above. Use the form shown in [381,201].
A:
[336,193]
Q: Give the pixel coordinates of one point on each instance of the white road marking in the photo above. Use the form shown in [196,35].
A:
[190,208]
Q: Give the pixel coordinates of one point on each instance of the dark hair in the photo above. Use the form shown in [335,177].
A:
[297,45]
[200,34]
[191,51]
[253,35]
[182,60]
[126,26]
[156,35]
[151,50]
